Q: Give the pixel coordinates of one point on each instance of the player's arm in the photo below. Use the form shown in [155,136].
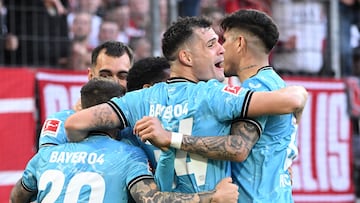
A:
[101,116]
[291,99]
[236,147]
[146,190]
[20,195]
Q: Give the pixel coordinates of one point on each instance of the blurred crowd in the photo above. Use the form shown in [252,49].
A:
[62,33]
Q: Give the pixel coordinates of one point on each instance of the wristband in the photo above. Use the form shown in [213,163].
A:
[176,140]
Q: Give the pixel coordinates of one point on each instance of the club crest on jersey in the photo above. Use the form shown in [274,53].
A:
[232,89]
[51,126]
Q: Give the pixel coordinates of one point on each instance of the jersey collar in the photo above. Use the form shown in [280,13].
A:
[178,79]
[265,68]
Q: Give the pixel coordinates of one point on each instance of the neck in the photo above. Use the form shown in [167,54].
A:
[247,71]
[246,67]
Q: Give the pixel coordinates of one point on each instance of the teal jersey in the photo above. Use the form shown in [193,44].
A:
[151,151]
[263,176]
[204,108]
[98,169]
[53,131]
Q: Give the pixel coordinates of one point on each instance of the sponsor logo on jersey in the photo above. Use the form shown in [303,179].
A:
[51,126]
[254,86]
[232,89]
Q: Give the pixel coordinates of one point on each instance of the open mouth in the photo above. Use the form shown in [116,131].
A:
[218,64]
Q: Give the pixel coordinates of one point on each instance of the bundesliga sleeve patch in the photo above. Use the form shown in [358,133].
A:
[51,126]
[232,89]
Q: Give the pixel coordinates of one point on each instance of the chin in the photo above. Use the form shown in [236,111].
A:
[220,78]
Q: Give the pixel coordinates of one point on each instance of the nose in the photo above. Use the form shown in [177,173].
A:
[221,49]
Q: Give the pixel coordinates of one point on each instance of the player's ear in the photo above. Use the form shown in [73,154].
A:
[185,57]
[90,73]
[241,43]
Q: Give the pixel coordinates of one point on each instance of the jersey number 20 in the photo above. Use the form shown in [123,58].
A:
[57,180]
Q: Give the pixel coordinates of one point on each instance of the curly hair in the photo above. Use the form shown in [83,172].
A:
[148,70]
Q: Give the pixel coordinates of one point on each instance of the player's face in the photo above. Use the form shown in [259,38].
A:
[231,58]
[207,55]
[116,68]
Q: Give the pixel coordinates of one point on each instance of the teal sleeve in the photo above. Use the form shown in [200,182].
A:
[165,170]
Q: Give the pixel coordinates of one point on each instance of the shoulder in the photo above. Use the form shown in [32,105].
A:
[264,80]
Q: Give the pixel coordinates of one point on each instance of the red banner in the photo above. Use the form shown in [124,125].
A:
[322,171]
[17,125]
[58,90]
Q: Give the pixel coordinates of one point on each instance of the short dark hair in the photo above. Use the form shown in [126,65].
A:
[148,70]
[99,90]
[180,31]
[113,49]
[256,22]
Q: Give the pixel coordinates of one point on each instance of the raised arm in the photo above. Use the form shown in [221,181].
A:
[234,147]
[99,117]
[146,190]
[291,99]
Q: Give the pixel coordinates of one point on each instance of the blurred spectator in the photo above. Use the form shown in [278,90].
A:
[3,15]
[212,3]
[91,7]
[163,15]
[107,5]
[139,18]
[234,5]
[141,47]
[80,57]
[348,15]
[215,14]
[37,33]
[302,27]
[120,15]
[109,31]
[81,27]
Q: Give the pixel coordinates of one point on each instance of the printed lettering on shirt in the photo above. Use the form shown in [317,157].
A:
[168,112]
[76,157]
[232,89]
[51,127]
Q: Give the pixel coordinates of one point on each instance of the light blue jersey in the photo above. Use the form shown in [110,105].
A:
[53,131]
[86,171]
[263,176]
[205,108]
[151,151]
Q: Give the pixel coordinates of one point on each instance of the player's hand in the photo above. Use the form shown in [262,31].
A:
[301,94]
[150,129]
[226,191]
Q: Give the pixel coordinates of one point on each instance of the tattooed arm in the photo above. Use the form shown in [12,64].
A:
[146,190]
[98,117]
[235,147]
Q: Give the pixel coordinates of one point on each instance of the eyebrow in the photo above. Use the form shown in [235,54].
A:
[108,71]
[212,40]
